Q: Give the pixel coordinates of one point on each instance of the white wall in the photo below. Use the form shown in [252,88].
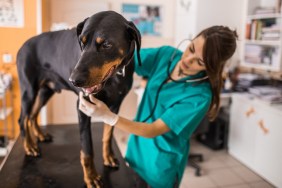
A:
[202,14]
[229,13]
[168,9]
[74,11]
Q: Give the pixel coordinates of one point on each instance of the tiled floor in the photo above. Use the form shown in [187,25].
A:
[219,169]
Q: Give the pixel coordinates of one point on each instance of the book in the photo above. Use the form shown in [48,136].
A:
[248,30]
[254,29]
[278,6]
[265,10]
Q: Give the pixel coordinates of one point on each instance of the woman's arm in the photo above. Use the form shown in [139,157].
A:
[100,112]
[148,130]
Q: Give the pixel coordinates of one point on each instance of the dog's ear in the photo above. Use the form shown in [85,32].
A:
[136,36]
[130,55]
[79,29]
[80,26]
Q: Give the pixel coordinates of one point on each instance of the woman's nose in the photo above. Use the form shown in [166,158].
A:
[189,59]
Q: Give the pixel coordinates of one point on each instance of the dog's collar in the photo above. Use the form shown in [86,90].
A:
[121,71]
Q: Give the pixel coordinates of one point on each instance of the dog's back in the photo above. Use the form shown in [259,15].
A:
[50,52]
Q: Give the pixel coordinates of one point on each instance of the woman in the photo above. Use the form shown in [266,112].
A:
[182,88]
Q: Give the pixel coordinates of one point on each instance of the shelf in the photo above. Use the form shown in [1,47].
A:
[4,114]
[2,94]
[3,91]
[5,150]
[264,42]
[261,66]
[264,16]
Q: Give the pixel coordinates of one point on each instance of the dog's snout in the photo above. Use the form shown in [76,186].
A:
[77,81]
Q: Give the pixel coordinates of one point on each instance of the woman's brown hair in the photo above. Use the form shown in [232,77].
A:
[219,46]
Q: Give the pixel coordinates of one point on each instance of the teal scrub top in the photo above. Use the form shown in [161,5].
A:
[162,159]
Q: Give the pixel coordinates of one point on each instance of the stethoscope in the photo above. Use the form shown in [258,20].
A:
[170,78]
[170,62]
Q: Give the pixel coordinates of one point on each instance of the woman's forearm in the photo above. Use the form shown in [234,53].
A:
[99,111]
[148,130]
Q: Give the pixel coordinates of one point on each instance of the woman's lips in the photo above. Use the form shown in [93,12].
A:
[184,66]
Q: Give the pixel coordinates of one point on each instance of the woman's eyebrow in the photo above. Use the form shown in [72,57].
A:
[193,48]
[201,62]
[192,45]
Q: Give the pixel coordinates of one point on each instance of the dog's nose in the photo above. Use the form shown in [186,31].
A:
[77,82]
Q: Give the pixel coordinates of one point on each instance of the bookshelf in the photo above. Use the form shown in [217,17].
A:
[262,44]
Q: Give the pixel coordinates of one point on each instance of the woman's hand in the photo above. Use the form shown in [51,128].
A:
[98,110]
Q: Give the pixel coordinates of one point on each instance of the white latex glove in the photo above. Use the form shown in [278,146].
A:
[99,110]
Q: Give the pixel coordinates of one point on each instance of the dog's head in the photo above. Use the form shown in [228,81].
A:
[107,42]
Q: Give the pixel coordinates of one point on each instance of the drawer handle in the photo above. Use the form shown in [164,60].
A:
[250,111]
[262,127]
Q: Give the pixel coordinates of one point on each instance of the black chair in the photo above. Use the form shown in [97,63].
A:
[198,157]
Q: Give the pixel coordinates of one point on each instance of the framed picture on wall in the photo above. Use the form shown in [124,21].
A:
[147,18]
[11,13]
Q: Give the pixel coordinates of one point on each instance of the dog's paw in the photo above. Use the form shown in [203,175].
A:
[95,183]
[111,162]
[31,148]
[32,151]
[45,138]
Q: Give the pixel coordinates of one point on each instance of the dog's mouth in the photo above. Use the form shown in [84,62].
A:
[98,87]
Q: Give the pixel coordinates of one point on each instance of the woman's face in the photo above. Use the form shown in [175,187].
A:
[192,59]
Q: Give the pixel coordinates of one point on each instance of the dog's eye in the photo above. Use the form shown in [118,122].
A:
[83,40]
[106,45]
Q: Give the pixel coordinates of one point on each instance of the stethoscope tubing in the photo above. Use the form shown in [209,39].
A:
[170,78]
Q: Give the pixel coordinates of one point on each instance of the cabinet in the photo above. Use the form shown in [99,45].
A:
[262,43]
[242,130]
[255,136]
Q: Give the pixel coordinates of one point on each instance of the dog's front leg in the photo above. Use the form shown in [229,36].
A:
[91,178]
[108,154]
[30,145]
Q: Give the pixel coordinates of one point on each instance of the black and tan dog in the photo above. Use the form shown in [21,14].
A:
[95,57]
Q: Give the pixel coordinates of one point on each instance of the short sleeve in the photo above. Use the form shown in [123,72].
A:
[150,57]
[185,116]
